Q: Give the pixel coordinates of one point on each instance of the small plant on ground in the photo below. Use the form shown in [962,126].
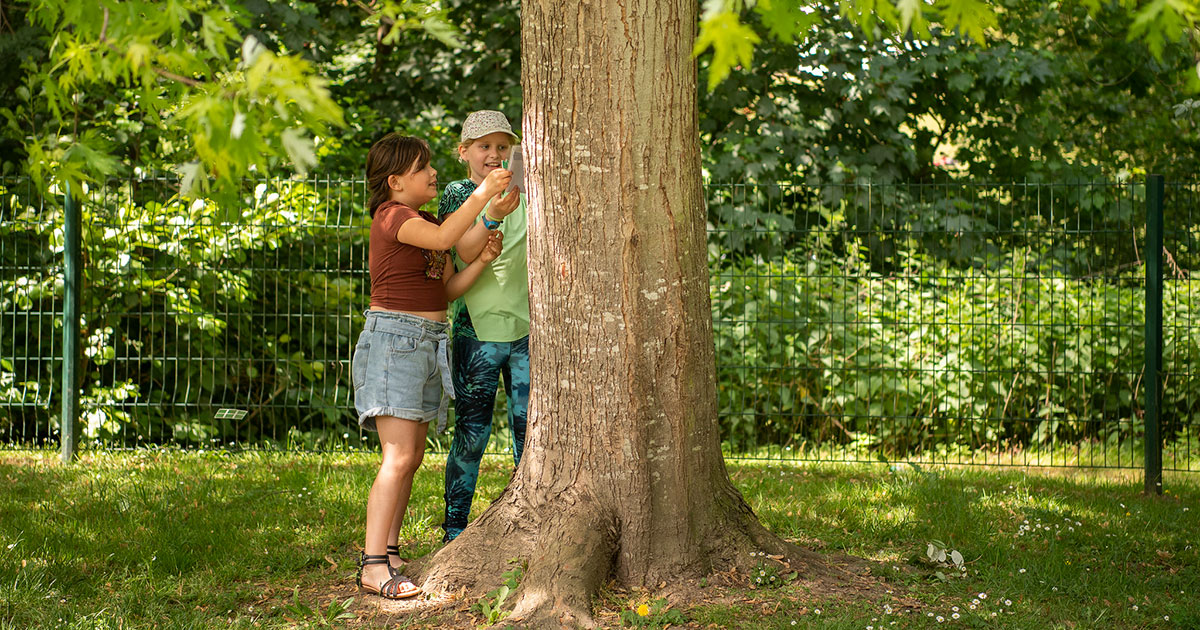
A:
[769,571]
[336,612]
[491,605]
[939,555]
[656,614]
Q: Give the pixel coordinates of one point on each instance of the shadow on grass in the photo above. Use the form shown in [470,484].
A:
[175,540]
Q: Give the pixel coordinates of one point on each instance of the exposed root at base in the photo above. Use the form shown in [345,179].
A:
[573,558]
[570,544]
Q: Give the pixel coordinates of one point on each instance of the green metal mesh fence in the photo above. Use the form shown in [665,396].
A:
[990,324]
[191,309]
[957,323]
[1181,327]
[30,346]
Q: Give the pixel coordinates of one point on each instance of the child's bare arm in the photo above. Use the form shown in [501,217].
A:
[428,235]
[458,283]
[472,243]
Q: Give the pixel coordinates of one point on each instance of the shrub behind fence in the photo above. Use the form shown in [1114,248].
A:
[998,324]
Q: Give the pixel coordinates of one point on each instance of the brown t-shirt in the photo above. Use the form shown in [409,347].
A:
[403,277]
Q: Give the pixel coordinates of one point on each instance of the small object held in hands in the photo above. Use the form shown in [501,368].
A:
[516,164]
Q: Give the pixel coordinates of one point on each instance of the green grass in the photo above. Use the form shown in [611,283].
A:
[1066,548]
[255,540]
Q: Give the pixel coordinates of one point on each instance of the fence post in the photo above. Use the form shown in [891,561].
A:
[1154,331]
[70,330]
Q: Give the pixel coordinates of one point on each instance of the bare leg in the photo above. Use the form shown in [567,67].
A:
[405,491]
[403,444]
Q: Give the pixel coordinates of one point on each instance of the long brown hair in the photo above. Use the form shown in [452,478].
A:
[392,154]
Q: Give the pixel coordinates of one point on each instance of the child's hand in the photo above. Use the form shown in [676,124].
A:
[493,247]
[495,182]
[503,205]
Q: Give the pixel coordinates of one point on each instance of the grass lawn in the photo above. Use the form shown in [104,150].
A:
[257,540]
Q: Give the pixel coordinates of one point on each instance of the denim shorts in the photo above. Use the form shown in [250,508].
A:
[401,368]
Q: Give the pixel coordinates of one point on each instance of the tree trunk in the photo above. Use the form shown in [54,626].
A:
[622,474]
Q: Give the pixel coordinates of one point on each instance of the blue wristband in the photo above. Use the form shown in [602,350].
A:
[490,223]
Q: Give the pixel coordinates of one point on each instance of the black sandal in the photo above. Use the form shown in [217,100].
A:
[394,550]
[394,588]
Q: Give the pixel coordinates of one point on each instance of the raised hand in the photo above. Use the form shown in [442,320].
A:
[503,205]
[495,182]
[493,247]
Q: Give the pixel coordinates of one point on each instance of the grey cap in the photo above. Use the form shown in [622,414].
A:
[485,121]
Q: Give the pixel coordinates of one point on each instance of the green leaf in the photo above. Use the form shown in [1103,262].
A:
[1162,21]
[190,174]
[95,159]
[210,31]
[251,49]
[443,31]
[786,21]
[912,17]
[961,82]
[970,17]
[299,148]
[864,14]
[732,43]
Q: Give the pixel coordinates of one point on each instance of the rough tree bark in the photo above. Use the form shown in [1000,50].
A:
[622,475]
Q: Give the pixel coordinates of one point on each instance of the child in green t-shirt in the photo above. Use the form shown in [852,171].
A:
[490,337]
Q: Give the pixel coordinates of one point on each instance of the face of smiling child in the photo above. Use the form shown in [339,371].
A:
[415,188]
[485,154]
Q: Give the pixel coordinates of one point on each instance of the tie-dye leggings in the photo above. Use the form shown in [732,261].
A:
[477,367]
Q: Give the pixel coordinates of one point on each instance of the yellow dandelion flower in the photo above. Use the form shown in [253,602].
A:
[643,610]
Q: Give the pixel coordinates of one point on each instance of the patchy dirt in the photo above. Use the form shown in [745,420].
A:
[369,610]
[859,580]
[418,611]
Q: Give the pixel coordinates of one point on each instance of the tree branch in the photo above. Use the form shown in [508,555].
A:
[167,74]
[175,77]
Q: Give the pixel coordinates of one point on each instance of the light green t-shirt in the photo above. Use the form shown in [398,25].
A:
[499,299]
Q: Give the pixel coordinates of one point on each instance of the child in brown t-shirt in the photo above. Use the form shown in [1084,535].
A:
[400,366]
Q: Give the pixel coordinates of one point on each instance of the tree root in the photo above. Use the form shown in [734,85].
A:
[569,553]
[473,563]
[570,545]
[572,560]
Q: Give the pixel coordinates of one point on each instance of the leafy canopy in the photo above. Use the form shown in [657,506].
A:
[222,88]
[220,102]
[1157,22]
